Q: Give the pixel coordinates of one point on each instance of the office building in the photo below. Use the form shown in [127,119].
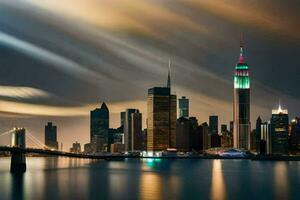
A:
[183,134]
[128,128]
[117,148]
[51,136]
[295,134]
[137,136]
[76,148]
[241,104]
[213,124]
[206,139]
[265,138]
[224,128]
[161,118]
[279,131]
[258,134]
[99,125]
[122,118]
[183,107]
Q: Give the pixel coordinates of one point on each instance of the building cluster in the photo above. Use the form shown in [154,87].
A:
[166,131]
[278,135]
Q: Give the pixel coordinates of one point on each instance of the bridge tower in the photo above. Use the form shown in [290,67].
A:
[18,159]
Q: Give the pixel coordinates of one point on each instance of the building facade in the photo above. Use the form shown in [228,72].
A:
[128,128]
[241,104]
[161,119]
[137,138]
[295,134]
[183,107]
[99,126]
[279,131]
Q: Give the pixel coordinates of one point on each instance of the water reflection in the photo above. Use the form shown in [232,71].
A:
[150,186]
[281,183]
[17,187]
[218,189]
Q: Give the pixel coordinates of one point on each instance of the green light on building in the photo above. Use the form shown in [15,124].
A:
[241,82]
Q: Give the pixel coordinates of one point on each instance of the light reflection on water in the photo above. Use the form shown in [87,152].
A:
[150,179]
[218,190]
[281,183]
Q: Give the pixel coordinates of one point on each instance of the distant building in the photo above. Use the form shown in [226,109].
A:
[128,128]
[183,134]
[183,107]
[279,131]
[265,139]
[161,118]
[137,137]
[253,140]
[213,124]
[231,127]
[122,118]
[295,134]
[241,104]
[51,136]
[195,139]
[76,148]
[206,139]
[18,138]
[88,149]
[224,128]
[99,125]
[117,148]
[258,137]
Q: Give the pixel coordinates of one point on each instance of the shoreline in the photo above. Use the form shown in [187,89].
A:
[208,157]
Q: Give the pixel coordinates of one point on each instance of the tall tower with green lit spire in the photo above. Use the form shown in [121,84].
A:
[241,103]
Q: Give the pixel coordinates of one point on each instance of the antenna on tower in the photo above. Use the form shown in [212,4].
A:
[169,75]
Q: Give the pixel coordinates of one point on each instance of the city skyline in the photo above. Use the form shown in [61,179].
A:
[31,102]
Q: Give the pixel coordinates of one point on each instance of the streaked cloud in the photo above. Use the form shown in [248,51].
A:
[86,52]
[22,92]
[61,63]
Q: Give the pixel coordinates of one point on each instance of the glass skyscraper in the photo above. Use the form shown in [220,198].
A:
[99,125]
[51,136]
[279,131]
[161,117]
[161,121]
[128,128]
[183,107]
[241,104]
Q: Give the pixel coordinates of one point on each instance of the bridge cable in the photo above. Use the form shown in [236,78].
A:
[40,144]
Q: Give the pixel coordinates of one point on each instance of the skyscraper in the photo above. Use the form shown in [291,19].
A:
[183,134]
[136,130]
[51,136]
[279,131]
[241,104]
[183,107]
[265,140]
[213,124]
[99,125]
[258,134]
[295,134]
[122,119]
[161,118]
[128,128]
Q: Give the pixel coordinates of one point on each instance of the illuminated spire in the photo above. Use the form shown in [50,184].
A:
[242,59]
[169,75]
[279,107]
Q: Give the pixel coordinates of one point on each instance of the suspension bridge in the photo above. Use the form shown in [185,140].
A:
[18,150]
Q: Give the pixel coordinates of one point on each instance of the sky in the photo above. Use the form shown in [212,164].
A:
[59,59]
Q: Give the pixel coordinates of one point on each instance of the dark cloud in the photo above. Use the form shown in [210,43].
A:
[89,53]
